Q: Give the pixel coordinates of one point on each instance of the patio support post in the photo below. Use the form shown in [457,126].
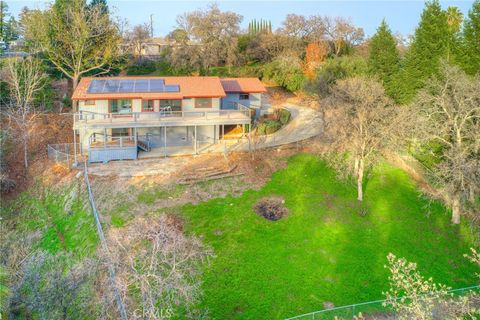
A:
[243,130]
[195,140]
[105,138]
[165,141]
[135,135]
[75,147]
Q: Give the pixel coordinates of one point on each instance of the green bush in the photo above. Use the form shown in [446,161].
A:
[268,127]
[141,67]
[336,69]
[286,71]
[283,115]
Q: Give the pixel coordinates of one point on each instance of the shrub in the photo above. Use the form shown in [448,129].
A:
[286,71]
[141,67]
[336,69]
[283,115]
[269,127]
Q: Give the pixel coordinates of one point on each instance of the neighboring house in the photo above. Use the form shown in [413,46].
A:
[152,47]
[121,116]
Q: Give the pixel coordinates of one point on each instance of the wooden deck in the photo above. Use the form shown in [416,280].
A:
[155,119]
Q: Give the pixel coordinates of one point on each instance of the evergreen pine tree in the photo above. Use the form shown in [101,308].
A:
[384,57]
[102,3]
[469,53]
[429,45]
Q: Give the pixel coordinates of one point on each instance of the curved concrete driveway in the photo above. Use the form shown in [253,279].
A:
[304,123]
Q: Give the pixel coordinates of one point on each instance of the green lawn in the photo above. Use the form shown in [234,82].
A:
[323,250]
[62,222]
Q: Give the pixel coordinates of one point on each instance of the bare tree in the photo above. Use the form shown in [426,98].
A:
[265,47]
[137,37]
[448,113]
[216,34]
[342,32]
[362,122]
[76,38]
[308,29]
[165,272]
[25,78]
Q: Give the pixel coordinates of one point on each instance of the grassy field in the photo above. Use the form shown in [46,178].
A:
[61,221]
[323,250]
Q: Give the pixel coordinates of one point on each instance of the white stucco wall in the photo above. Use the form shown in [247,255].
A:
[189,105]
[254,100]
[101,106]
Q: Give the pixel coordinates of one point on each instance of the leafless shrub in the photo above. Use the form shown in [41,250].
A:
[271,208]
[158,267]
[53,286]
[414,297]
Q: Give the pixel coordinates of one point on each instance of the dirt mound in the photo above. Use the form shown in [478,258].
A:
[174,221]
[271,208]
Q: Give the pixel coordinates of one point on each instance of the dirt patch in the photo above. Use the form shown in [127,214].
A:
[271,208]
[174,221]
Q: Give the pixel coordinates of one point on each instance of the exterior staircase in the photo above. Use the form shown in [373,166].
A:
[143,146]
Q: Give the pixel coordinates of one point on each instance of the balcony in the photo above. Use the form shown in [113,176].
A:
[87,119]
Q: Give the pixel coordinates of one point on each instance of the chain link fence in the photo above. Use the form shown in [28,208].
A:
[371,310]
[63,153]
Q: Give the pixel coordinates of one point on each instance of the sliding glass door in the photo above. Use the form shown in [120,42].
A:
[120,106]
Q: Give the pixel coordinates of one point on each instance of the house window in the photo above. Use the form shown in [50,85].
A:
[120,106]
[203,102]
[121,132]
[170,105]
[243,96]
[89,102]
[147,105]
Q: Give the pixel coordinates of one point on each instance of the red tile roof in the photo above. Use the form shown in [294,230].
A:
[247,85]
[190,87]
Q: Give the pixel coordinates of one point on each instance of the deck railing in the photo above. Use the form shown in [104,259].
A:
[86,117]
[99,140]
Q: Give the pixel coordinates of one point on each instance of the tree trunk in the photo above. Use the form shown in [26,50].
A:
[25,150]
[74,85]
[471,194]
[455,209]
[355,168]
[360,180]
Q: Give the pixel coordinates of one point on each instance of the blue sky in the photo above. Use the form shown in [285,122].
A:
[402,16]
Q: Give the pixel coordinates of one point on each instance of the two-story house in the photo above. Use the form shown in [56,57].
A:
[124,117]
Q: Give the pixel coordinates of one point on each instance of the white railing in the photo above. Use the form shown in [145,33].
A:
[98,140]
[86,117]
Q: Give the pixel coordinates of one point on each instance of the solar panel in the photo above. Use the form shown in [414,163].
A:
[142,85]
[131,85]
[172,88]
[126,86]
[111,86]
[157,85]
[96,86]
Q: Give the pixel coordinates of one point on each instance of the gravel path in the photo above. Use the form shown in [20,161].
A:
[304,123]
